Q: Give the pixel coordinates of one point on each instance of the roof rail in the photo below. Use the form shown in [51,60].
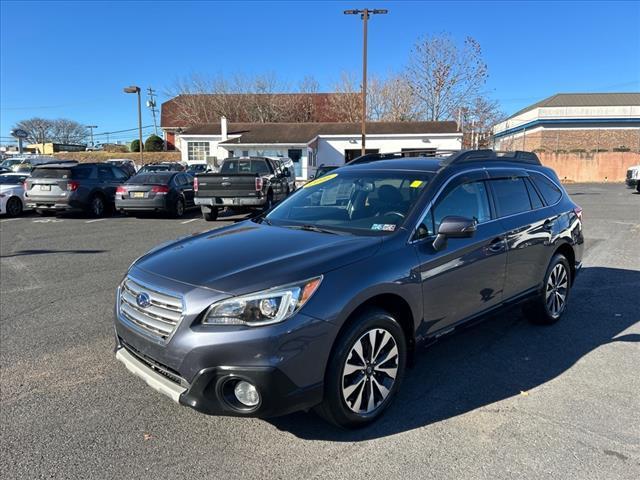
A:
[465,156]
[426,152]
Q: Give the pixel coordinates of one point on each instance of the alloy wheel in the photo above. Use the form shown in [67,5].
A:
[370,371]
[97,206]
[556,290]
[14,207]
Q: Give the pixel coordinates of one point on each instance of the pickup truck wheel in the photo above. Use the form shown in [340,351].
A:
[551,302]
[365,370]
[211,215]
[269,204]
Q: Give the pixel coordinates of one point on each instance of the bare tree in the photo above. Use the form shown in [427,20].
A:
[68,131]
[477,120]
[39,130]
[443,76]
[391,100]
[346,102]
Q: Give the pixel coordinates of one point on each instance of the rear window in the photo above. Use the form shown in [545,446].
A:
[511,196]
[51,173]
[244,166]
[550,192]
[150,179]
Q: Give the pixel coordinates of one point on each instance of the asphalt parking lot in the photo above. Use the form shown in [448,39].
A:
[503,399]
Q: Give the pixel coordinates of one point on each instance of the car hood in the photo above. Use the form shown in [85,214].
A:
[248,257]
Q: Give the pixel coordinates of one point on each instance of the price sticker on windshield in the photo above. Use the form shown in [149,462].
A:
[320,180]
[416,183]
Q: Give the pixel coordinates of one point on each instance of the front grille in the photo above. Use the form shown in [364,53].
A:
[160,318]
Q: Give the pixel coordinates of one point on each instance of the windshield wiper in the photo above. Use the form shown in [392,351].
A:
[311,228]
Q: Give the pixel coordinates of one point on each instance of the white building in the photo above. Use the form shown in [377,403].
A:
[313,144]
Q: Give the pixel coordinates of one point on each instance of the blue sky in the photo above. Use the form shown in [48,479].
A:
[71,59]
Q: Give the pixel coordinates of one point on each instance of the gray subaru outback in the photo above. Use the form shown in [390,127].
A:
[320,302]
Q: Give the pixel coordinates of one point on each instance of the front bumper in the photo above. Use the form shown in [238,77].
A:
[632,182]
[231,202]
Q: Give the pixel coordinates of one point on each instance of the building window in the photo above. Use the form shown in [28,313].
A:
[197,151]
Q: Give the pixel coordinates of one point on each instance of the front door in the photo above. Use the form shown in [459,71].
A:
[467,276]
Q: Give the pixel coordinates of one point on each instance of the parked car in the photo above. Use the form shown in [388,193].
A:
[162,167]
[242,183]
[633,177]
[321,303]
[124,163]
[195,168]
[9,163]
[170,192]
[12,193]
[286,162]
[322,170]
[67,186]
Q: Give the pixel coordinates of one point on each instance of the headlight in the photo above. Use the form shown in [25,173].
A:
[262,308]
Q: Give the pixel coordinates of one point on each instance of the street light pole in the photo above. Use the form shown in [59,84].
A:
[91,127]
[135,89]
[364,15]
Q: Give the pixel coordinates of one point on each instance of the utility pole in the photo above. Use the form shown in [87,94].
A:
[91,127]
[151,104]
[364,15]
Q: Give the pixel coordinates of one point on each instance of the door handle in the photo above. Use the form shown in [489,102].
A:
[498,244]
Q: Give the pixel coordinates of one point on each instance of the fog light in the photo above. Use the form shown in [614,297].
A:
[246,394]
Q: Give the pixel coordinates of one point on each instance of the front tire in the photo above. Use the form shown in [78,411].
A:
[551,302]
[365,370]
[14,207]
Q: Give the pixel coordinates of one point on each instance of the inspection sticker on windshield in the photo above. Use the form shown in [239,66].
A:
[385,227]
[320,180]
[416,183]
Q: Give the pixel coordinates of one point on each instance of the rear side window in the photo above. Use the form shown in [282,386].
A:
[120,174]
[549,190]
[536,201]
[105,172]
[82,173]
[51,173]
[511,196]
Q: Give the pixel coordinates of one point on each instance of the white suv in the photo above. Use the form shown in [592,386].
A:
[633,177]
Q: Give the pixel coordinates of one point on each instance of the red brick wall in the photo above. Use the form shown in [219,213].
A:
[568,140]
[590,167]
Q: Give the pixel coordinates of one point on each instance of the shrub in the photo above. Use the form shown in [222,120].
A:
[153,144]
[135,146]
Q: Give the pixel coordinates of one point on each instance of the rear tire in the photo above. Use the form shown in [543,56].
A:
[269,204]
[551,302]
[97,206]
[362,376]
[14,207]
[178,208]
[211,215]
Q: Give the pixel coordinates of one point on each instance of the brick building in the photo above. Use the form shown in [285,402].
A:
[574,122]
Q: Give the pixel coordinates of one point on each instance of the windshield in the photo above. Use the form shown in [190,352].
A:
[10,162]
[353,201]
[12,179]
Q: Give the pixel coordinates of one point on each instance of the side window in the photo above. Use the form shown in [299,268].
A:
[120,174]
[468,200]
[511,196]
[536,201]
[549,190]
[81,173]
[105,172]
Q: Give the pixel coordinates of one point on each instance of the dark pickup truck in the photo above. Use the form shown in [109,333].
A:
[241,184]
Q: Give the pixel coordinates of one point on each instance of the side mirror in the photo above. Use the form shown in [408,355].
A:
[286,172]
[454,227]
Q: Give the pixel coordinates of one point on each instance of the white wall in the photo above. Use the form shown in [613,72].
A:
[272,151]
[331,148]
[214,149]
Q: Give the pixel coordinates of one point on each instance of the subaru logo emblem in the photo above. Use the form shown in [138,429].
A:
[143,300]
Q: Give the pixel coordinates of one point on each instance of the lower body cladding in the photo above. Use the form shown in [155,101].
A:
[232,370]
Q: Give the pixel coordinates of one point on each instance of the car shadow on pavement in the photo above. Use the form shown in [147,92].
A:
[497,359]
[22,253]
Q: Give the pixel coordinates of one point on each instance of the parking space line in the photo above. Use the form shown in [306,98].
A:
[189,221]
[9,220]
[96,220]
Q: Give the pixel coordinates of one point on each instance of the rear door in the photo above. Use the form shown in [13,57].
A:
[278,182]
[527,224]
[467,276]
[107,182]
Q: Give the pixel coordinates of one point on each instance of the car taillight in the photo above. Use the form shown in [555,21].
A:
[121,189]
[259,184]
[160,189]
[578,212]
[195,184]
[25,186]
[72,186]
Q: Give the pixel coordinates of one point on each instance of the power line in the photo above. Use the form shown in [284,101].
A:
[151,104]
